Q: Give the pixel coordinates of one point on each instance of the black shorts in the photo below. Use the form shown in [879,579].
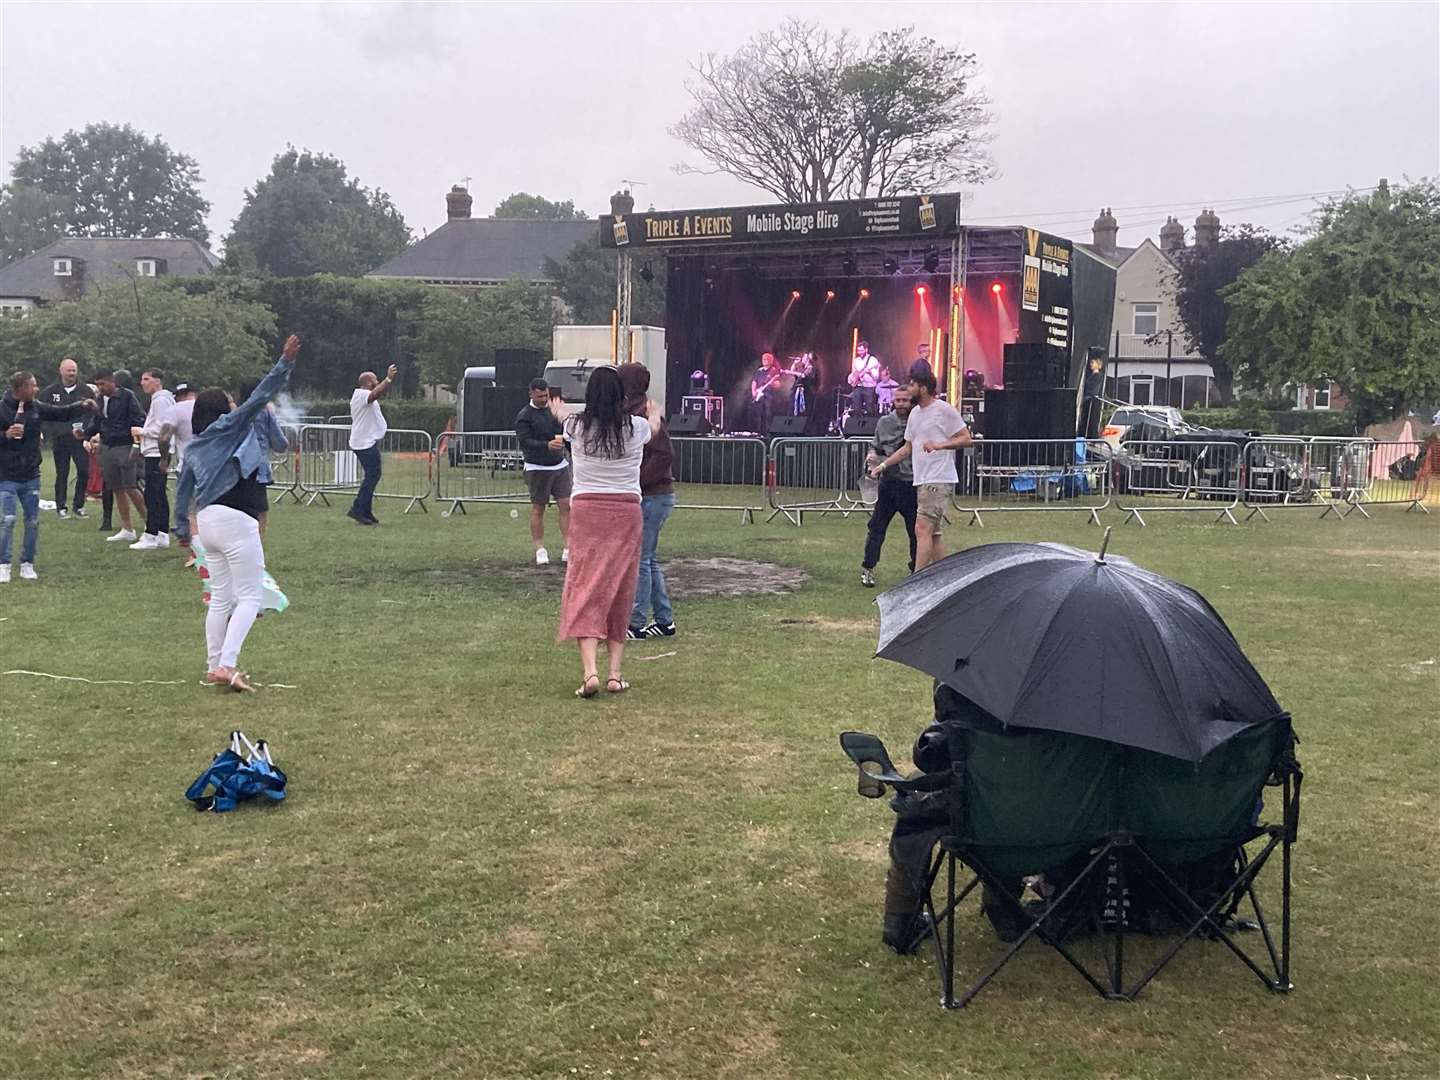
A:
[547,484]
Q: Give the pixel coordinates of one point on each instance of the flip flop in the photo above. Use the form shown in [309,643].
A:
[621,683]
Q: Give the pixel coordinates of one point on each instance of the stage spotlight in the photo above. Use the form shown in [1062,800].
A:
[920,290]
[890,266]
[864,294]
[996,288]
[848,266]
[829,295]
[646,274]
[807,266]
[959,291]
[932,260]
[795,294]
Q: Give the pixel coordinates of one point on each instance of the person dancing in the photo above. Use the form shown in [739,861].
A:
[606,445]
[221,473]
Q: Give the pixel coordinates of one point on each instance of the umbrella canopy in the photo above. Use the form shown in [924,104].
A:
[1049,636]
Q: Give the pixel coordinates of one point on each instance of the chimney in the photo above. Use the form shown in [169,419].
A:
[457,204]
[1172,235]
[622,202]
[1105,231]
[1207,228]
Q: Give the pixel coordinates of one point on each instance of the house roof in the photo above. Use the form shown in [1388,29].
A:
[106,259]
[488,249]
[1121,255]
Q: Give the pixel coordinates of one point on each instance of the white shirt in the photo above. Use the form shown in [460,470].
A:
[607,476]
[161,402]
[936,422]
[367,422]
[866,370]
[181,430]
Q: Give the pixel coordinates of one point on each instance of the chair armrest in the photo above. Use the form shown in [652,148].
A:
[864,749]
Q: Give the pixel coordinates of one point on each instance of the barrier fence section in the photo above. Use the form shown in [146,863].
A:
[1288,472]
[1032,475]
[285,467]
[721,473]
[328,466]
[1397,472]
[815,476]
[1178,476]
[479,467]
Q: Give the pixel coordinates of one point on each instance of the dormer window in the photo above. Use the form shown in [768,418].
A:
[145,267]
[62,267]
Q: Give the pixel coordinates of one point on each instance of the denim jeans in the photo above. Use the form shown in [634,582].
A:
[15,496]
[650,591]
[369,459]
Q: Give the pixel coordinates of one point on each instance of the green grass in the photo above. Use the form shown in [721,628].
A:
[477,875]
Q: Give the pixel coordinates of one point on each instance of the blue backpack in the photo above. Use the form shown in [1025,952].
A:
[231,778]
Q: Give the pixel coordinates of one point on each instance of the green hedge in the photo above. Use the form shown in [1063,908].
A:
[1274,421]
[400,414]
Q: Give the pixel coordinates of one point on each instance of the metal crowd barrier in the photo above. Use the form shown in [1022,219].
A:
[479,467]
[1287,472]
[1187,473]
[342,420]
[815,476]
[285,467]
[1032,475]
[1397,472]
[721,473]
[327,465]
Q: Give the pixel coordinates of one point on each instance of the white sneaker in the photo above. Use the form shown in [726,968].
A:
[27,572]
[145,543]
[542,557]
[565,554]
[123,534]
[5,574]
[162,540]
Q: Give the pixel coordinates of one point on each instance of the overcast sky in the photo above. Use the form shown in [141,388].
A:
[1149,108]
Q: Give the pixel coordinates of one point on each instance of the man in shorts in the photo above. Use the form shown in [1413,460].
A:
[934,431]
[116,428]
[547,472]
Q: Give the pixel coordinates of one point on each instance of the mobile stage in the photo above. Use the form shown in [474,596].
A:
[810,281]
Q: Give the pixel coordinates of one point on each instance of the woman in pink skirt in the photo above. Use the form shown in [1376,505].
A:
[606,445]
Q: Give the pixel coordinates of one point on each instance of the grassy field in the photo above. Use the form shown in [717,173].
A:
[476,875]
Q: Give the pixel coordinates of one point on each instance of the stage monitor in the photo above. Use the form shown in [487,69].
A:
[689,424]
[860,427]
[788,426]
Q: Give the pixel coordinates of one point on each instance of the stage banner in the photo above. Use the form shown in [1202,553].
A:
[859,219]
[1045,289]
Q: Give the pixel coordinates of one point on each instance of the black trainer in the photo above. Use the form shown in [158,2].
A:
[655,630]
[631,634]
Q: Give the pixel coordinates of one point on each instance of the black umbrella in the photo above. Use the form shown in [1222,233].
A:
[1049,636]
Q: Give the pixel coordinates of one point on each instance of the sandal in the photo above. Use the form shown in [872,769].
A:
[616,686]
[586,689]
[236,680]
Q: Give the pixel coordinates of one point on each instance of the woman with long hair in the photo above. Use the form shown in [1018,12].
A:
[606,445]
[221,473]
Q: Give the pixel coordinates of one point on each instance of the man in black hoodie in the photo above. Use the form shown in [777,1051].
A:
[20,419]
[547,472]
[66,446]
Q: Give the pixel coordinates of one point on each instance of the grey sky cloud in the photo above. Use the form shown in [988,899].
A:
[1149,108]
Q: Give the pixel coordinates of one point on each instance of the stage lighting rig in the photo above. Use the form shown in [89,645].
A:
[932,260]
[890,265]
[646,274]
[849,266]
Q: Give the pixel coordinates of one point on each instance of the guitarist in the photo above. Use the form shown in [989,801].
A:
[765,392]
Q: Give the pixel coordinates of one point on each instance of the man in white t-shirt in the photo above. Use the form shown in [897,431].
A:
[367,430]
[156,452]
[933,433]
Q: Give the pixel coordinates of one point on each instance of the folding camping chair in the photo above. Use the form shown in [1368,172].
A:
[1122,822]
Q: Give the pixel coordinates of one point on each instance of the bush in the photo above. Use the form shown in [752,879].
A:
[402,415]
[1252,415]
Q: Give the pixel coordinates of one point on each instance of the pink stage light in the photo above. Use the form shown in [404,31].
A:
[795,295]
[920,290]
[864,294]
[829,295]
[996,288]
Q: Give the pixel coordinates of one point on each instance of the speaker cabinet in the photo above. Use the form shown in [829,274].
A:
[1035,366]
[860,427]
[788,426]
[689,424]
[1030,414]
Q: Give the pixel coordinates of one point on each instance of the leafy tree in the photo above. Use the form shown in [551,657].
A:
[1358,302]
[215,338]
[529,207]
[106,180]
[585,282]
[463,329]
[808,115]
[1203,271]
[30,218]
[309,217]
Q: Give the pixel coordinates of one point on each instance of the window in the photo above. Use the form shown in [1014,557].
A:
[145,267]
[1142,389]
[1147,319]
[62,267]
[12,311]
[1322,394]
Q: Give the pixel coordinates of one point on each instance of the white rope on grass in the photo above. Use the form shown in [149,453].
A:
[131,682]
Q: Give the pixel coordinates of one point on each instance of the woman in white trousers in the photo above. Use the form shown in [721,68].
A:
[222,473]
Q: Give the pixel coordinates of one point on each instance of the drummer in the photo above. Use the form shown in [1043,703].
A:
[885,389]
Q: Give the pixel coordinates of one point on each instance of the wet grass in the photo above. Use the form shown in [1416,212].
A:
[477,875]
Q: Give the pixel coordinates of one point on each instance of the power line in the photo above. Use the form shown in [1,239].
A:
[1066,216]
